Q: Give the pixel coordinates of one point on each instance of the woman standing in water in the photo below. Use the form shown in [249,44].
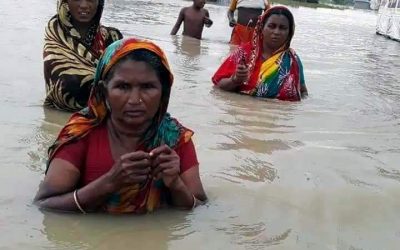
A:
[248,13]
[74,42]
[267,66]
[124,153]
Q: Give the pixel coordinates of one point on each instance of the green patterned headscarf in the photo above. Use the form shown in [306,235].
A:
[163,130]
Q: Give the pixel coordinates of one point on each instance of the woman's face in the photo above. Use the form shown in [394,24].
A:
[134,93]
[83,11]
[276,31]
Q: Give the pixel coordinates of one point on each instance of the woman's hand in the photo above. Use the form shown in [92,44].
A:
[131,168]
[241,74]
[166,165]
[236,80]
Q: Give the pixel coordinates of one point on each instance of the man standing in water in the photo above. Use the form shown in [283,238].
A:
[248,12]
[194,18]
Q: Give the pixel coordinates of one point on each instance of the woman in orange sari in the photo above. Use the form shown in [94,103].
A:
[124,153]
[267,66]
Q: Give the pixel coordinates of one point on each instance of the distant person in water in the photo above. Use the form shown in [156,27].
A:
[267,66]
[74,42]
[248,13]
[194,19]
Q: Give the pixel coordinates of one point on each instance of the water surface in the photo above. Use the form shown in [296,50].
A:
[320,174]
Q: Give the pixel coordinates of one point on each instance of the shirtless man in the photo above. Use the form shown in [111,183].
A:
[248,13]
[194,19]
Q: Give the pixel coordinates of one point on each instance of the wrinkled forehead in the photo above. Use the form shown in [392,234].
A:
[119,49]
[277,18]
[150,61]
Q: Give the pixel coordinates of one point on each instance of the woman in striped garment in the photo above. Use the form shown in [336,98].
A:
[74,42]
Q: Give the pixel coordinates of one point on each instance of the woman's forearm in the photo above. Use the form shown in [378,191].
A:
[181,195]
[90,197]
[227,84]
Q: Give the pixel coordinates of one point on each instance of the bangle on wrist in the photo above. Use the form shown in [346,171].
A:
[194,202]
[78,205]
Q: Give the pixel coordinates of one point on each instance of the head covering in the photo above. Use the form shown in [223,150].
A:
[279,76]
[164,128]
[65,19]
[70,60]
[82,122]
[257,41]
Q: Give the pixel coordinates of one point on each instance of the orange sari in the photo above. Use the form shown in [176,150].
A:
[164,130]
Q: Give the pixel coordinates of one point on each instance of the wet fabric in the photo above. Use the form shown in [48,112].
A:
[241,34]
[70,60]
[163,130]
[280,76]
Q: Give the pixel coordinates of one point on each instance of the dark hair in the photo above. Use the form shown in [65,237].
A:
[285,12]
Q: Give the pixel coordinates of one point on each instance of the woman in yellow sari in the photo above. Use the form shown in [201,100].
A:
[267,66]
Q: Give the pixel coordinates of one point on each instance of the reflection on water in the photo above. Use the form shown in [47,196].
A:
[253,170]
[392,174]
[187,46]
[320,174]
[255,235]
[112,232]
[45,135]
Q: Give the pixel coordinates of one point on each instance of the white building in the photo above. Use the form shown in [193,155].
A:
[388,23]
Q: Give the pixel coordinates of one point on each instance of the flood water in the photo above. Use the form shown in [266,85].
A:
[320,174]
